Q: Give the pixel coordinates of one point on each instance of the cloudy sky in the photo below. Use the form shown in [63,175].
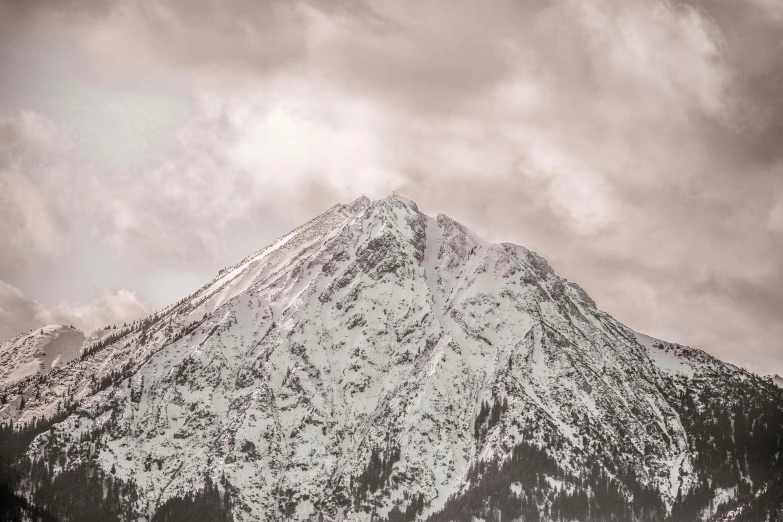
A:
[637,144]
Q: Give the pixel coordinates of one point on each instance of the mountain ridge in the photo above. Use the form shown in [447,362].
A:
[375,359]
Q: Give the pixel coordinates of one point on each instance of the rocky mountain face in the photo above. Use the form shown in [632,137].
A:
[380,364]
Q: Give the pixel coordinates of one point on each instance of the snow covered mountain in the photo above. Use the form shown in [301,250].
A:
[380,363]
[776,379]
[45,348]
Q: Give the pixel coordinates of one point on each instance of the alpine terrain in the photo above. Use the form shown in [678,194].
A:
[380,364]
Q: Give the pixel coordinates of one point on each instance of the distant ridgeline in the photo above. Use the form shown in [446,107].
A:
[379,364]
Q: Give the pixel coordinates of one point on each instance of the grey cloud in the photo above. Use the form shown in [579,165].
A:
[187,206]
[753,43]
[635,144]
[19,314]
[31,148]
[152,36]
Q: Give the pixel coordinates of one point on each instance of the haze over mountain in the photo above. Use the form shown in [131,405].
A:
[379,363]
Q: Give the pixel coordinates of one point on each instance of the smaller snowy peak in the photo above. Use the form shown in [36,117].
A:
[775,379]
[358,205]
[39,351]
[681,361]
[397,201]
[674,359]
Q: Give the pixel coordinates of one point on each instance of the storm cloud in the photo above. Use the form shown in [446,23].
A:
[637,144]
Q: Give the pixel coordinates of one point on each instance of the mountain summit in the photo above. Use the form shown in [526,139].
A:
[378,363]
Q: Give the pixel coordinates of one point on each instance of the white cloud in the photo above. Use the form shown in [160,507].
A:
[19,314]
[614,136]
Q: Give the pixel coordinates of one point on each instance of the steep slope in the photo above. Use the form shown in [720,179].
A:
[370,363]
[735,425]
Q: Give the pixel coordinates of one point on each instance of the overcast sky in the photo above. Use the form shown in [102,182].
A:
[636,144]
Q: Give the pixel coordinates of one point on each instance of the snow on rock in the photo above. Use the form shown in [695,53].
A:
[39,351]
[776,379]
[371,326]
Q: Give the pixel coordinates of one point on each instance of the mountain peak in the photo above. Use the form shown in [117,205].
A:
[358,205]
[40,350]
[775,379]
[372,361]
[394,197]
